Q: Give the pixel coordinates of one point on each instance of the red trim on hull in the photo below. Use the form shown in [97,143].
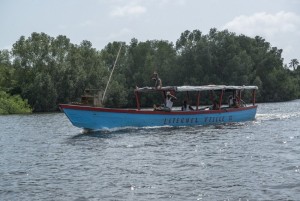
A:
[133,111]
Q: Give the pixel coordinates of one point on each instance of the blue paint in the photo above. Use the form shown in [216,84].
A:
[98,119]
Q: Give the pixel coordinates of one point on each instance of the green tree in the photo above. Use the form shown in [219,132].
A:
[47,71]
[294,64]
[191,49]
[6,71]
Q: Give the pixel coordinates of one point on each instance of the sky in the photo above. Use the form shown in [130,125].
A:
[105,21]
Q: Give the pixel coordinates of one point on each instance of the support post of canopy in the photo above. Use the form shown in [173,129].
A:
[198,100]
[211,96]
[137,100]
[221,97]
[164,95]
[240,97]
[253,96]
[188,96]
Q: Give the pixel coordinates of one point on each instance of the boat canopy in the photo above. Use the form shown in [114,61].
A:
[196,88]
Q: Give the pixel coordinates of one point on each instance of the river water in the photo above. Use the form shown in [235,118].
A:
[43,157]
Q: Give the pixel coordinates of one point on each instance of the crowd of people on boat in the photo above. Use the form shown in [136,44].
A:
[233,101]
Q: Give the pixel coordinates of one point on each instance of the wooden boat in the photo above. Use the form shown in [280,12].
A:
[90,116]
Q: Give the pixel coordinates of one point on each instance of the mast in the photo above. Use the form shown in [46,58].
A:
[111,73]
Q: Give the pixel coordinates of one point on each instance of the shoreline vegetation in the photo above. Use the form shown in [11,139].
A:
[13,104]
[41,71]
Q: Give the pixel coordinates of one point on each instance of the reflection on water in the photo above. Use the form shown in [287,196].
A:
[43,157]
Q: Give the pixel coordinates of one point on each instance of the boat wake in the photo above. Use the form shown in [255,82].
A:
[124,129]
[161,129]
[276,116]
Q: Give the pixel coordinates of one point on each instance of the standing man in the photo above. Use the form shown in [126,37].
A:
[169,100]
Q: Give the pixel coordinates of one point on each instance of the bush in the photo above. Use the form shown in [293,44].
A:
[13,104]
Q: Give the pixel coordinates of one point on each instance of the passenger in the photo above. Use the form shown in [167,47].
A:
[243,103]
[230,101]
[169,103]
[157,107]
[186,107]
[215,105]
[158,82]
[235,102]
[169,100]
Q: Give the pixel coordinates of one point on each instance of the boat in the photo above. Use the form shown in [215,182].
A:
[89,114]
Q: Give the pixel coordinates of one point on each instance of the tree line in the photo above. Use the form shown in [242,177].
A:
[45,71]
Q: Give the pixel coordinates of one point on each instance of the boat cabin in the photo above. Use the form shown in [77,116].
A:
[92,97]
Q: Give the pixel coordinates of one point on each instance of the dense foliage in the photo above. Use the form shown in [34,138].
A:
[13,104]
[9,104]
[47,71]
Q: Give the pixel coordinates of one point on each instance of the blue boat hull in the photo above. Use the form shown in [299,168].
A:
[96,118]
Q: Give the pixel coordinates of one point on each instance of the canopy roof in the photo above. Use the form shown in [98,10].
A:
[196,88]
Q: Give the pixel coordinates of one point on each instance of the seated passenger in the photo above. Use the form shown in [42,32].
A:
[243,104]
[158,107]
[215,105]
[230,101]
[235,103]
[158,82]
[169,103]
[186,107]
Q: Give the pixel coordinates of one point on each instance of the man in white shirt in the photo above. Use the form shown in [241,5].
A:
[169,100]
[168,103]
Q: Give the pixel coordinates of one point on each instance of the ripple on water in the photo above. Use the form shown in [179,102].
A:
[43,157]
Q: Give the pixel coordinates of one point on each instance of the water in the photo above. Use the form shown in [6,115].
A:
[43,157]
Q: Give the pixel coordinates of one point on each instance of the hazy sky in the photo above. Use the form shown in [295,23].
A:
[104,21]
